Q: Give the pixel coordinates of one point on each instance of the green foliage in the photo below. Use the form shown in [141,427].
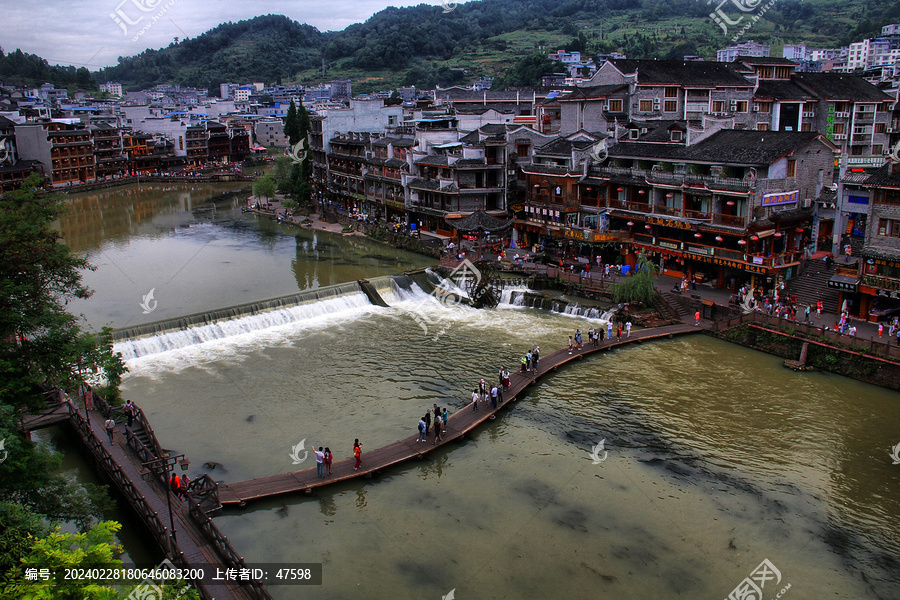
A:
[282,169]
[38,276]
[58,551]
[529,70]
[264,187]
[639,287]
[33,71]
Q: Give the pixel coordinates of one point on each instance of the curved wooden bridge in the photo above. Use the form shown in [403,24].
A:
[459,424]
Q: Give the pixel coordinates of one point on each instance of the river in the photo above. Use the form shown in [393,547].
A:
[714,456]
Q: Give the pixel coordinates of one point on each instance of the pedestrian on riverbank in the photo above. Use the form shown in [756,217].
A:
[880,329]
[505,379]
[110,428]
[818,310]
[329,458]
[445,417]
[619,333]
[357,453]
[528,359]
[494,397]
[697,318]
[535,355]
[571,344]
[320,461]
[628,329]
[609,329]
[421,437]
[427,419]
[475,395]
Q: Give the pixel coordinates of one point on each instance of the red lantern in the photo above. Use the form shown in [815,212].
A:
[641,192]
[778,234]
[698,235]
[670,195]
[754,238]
[730,203]
[631,223]
[620,189]
[647,227]
[719,238]
[742,242]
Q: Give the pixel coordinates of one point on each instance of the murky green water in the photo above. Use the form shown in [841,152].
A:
[717,457]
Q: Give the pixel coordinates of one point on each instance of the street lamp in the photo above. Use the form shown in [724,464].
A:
[166,463]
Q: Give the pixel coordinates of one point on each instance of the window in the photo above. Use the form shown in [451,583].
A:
[889,228]
[782,73]
[675,135]
[762,126]
[765,107]
[806,127]
[671,92]
[646,105]
[838,128]
[718,106]
[791,168]
[392,120]
[670,106]
[741,106]
[615,105]
[880,128]
[633,134]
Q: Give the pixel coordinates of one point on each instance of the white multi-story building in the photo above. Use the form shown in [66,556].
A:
[795,52]
[242,94]
[892,29]
[111,88]
[748,48]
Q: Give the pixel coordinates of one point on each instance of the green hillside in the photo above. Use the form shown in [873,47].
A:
[423,45]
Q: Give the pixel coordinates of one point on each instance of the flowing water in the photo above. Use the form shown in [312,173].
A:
[714,457]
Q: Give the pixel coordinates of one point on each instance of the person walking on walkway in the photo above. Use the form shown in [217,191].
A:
[505,378]
[445,417]
[475,397]
[110,428]
[320,461]
[357,453]
[175,485]
[421,437]
[880,329]
[628,329]
[329,458]
[535,355]
[494,397]
[697,318]
[571,344]
[619,333]
[427,419]
[129,412]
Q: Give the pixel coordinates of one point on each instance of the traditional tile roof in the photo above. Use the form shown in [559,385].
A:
[841,86]
[593,92]
[434,160]
[729,146]
[781,89]
[884,177]
[682,73]
[564,147]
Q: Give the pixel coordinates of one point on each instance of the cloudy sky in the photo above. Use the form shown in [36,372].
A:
[94,33]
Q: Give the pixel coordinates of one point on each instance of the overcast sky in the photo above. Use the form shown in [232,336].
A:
[94,33]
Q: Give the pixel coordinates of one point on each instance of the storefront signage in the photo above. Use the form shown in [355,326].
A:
[589,236]
[844,286]
[858,199]
[699,250]
[757,260]
[780,198]
[865,161]
[670,223]
[887,263]
[889,294]
[669,245]
[730,264]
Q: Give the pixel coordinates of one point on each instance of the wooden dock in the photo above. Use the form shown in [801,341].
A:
[460,423]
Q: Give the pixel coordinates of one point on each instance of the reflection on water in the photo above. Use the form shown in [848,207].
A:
[197,255]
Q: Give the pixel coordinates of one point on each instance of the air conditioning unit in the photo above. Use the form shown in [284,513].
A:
[657,104]
[842,115]
[809,115]
[755,108]
[891,129]
[733,104]
[840,136]
[806,202]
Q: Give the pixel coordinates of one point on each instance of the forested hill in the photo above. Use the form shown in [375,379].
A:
[426,45]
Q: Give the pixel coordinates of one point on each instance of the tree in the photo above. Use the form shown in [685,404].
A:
[264,187]
[640,286]
[41,343]
[292,126]
[95,549]
[282,168]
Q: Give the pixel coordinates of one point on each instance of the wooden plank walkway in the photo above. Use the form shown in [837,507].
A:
[459,424]
[191,544]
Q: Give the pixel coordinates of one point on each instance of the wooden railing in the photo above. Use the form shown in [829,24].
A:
[224,548]
[150,518]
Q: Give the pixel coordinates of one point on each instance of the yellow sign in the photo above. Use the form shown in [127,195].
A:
[670,223]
